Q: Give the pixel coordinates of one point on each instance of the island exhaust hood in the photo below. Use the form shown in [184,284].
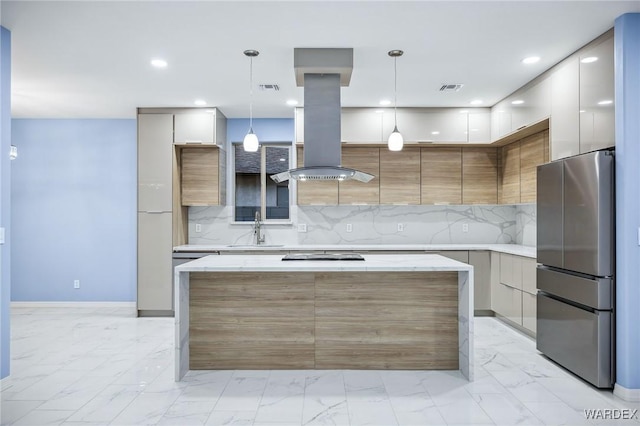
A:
[322,72]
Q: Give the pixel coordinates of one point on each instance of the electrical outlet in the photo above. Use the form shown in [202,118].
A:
[465,227]
[76,283]
[198,227]
[349,227]
[401,227]
[302,227]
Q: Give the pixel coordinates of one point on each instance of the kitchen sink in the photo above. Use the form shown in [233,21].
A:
[253,245]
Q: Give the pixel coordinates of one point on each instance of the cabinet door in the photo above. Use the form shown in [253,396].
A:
[446,126]
[366,160]
[299,124]
[597,120]
[411,123]
[441,175]
[316,192]
[199,173]
[532,154]
[501,119]
[509,176]
[529,275]
[459,255]
[481,262]
[511,270]
[535,106]
[507,302]
[565,105]
[361,125]
[479,124]
[479,176]
[194,128]
[400,176]
[154,262]
[529,311]
[155,160]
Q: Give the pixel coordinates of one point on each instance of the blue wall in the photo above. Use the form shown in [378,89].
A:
[5,197]
[267,129]
[627,76]
[74,210]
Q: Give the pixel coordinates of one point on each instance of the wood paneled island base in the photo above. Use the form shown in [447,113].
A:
[331,320]
[323,315]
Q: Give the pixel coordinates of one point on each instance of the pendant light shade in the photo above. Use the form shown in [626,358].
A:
[250,142]
[396,141]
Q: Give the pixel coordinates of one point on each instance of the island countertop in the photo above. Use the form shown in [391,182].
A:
[372,263]
[320,313]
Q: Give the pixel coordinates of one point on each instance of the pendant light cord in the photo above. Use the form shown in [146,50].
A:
[395,92]
[251,93]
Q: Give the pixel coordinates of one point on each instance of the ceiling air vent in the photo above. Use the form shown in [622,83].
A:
[270,87]
[451,87]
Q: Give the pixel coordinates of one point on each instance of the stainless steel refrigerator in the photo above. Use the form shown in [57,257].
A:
[576,246]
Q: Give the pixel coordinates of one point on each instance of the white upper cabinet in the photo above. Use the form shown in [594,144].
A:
[361,125]
[530,105]
[564,128]
[501,119]
[597,118]
[199,127]
[479,125]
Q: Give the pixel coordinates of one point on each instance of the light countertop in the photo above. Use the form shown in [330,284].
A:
[515,249]
[372,262]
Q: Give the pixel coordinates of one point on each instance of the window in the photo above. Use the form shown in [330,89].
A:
[255,191]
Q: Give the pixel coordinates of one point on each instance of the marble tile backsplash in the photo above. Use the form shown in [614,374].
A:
[374,224]
[526,224]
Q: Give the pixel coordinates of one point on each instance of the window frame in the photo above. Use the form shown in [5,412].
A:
[263,182]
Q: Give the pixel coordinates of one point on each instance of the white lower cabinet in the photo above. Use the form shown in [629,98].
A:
[529,311]
[513,288]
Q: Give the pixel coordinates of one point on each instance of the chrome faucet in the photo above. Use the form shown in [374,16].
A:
[256,229]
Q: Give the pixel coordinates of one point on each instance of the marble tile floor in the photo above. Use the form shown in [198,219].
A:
[105,367]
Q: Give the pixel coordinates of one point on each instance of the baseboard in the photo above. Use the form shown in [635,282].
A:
[631,395]
[516,326]
[131,305]
[483,313]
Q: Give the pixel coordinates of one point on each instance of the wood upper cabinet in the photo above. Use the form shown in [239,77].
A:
[316,192]
[365,159]
[400,176]
[201,170]
[479,176]
[441,175]
[533,152]
[509,174]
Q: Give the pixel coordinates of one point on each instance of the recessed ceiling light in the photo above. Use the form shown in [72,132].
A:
[385,102]
[282,159]
[476,102]
[435,133]
[583,110]
[292,102]
[463,111]
[159,63]
[379,111]
[517,102]
[605,102]
[200,102]
[589,59]
[531,60]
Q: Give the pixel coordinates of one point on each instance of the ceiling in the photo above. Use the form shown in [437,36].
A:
[91,59]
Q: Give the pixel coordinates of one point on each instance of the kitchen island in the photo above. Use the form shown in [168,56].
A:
[387,312]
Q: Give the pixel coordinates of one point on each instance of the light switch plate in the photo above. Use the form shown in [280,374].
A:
[401,227]
[198,227]
[465,227]
[349,227]
[302,227]
[1,235]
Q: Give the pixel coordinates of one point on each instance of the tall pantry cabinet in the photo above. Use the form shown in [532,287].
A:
[162,216]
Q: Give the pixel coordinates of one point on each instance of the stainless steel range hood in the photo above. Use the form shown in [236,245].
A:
[322,72]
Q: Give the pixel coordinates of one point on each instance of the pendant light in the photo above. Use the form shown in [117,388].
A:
[250,142]
[396,140]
